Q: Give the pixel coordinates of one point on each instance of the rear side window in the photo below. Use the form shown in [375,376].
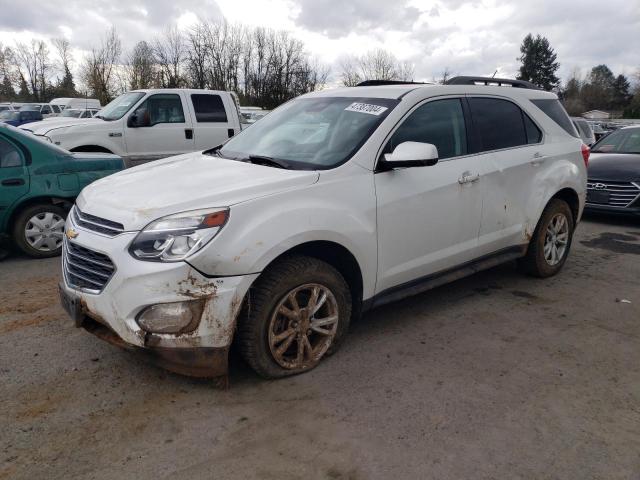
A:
[9,155]
[440,123]
[534,135]
[554,110]
[208,108]
[499,123]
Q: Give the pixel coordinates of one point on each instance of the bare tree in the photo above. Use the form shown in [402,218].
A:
[376,64]
[7,74]
[169,52]
[33,59]
[100,65]
[66,85]
[140,69]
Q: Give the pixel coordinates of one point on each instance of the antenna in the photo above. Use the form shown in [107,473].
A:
[494,74]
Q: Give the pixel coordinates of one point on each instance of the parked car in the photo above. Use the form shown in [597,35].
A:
[145,125]
[336,202]
[614,173]
[584,130]
[38,184]
[20,117]
[45,110]
[78,102]
[75,113]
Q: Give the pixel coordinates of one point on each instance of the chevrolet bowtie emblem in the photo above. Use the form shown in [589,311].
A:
[71,233]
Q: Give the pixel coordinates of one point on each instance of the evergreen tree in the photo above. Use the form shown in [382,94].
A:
[598,91]
[621,95]
[539,65]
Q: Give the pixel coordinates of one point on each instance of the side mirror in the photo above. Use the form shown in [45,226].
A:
[412,154]
[137,119]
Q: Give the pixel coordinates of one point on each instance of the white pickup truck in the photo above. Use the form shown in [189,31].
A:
[144,125]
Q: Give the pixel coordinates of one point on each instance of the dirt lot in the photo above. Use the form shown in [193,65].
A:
[495,376]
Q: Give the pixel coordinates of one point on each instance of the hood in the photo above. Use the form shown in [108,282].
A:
[615,167]
[139,195]
[41,128]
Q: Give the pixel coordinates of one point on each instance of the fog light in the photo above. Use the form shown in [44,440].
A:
[177,317]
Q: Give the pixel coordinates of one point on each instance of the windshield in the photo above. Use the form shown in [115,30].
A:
[311,133]
[116,109]
[71,113]
[9,115]
[619,141]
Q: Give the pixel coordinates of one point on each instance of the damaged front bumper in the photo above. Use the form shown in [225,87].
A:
[111,312]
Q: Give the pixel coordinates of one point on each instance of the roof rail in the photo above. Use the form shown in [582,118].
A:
[377,83]
[490,81]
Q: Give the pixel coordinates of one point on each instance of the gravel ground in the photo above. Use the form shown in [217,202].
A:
[494,376]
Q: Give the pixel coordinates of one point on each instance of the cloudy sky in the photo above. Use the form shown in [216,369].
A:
[467,37]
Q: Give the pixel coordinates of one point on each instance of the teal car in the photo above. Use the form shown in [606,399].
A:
[38,185]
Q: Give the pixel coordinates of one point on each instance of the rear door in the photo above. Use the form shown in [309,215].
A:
[511,151]
[429,217]
[212,120]
[14,176]
[167,131]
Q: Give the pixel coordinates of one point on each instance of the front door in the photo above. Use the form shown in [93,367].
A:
[14,176]
[429,217]
[164,129]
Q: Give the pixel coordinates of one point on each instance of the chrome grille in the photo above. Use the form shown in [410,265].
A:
[621,194]
[96,224]
[86,269]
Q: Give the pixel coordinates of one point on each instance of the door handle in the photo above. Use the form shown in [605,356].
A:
[188,133]
[468,177]
[538,159]
[13,182]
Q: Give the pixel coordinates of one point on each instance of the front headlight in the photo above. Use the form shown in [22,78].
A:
[175,237]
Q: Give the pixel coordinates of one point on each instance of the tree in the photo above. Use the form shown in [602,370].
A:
[7,91]
[66,86]
[597,93]
[376,64]
[34,60]
[99,68]
[169,53]
[571,95]
[141,67]
[539,62]
[621,92]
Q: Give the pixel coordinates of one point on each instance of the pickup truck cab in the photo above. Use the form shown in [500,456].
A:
[38,184]
[144,125]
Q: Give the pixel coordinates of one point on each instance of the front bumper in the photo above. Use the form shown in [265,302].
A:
[111,313]
[601,208]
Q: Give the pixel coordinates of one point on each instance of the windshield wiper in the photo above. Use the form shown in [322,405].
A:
[214,151]
[266,161]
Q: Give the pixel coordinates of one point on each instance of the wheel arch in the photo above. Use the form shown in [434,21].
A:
[90,148]
[340,258]
[570,196]
[63,202]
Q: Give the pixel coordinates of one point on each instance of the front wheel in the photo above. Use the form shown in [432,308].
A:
[297,313]
[39,229]
[551,241]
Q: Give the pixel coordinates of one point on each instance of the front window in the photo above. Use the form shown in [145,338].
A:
[619,141]
[160,108]
[311,133]
[116,109]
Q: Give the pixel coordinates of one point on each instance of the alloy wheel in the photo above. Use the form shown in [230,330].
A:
[303,326]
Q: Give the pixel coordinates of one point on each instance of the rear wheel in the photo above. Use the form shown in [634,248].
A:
[551,241]
[39,230]
[297,313]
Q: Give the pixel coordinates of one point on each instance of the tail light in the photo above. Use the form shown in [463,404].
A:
[586,151]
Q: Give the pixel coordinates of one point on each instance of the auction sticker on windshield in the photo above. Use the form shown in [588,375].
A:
[366,108]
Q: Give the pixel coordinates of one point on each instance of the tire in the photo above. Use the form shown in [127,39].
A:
[543,262]
[262,327]
[52,231]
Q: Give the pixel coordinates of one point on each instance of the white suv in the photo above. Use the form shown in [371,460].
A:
[336,202]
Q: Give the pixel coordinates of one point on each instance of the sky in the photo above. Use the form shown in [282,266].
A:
[475,37]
